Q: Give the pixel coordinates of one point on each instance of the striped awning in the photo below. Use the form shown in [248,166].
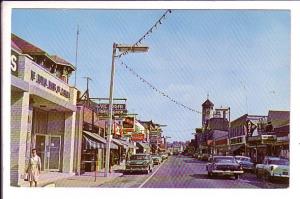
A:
[93,141]
[143,145]
[119,142]
[129,145]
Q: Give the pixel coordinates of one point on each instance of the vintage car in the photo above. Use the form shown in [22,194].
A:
[157,159]
[139,162]
[246,163]
[225,166]
[273,167]
[164,156]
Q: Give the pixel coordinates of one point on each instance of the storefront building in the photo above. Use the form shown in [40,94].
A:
[241,130]
[43,107]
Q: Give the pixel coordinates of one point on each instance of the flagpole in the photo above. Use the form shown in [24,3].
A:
[77,36]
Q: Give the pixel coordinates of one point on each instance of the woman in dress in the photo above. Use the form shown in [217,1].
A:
[34,168]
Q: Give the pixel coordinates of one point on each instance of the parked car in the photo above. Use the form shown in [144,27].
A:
[164,156]
[157,159]
[224,165]
[139,162]
[273,167]
[246,163]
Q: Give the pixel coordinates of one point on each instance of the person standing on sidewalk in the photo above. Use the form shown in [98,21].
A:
[34,168]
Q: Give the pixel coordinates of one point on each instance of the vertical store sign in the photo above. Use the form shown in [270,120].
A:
[14,58]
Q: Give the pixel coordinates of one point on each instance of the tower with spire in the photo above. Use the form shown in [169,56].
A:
[207,111]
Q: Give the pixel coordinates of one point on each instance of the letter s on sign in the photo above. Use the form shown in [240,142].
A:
[13,65]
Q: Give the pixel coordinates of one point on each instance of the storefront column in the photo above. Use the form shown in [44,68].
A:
[69,139]
[78,140]
[19,125]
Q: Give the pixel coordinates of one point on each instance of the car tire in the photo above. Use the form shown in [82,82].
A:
[258,176]
[148,170]
[209,174]
[236,176]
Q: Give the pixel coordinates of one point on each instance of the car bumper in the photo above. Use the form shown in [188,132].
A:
[141,168]
[220,172]
[275,175]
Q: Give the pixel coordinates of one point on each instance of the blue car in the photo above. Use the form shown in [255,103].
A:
[246,163]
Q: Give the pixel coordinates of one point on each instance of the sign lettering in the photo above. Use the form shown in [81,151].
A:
[14,63]
[39,79]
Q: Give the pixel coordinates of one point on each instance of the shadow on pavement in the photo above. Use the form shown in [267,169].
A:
[205,176]
[194,161]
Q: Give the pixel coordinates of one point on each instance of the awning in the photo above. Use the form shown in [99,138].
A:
[236,147]
[95,141]
[143,145]
[119,142]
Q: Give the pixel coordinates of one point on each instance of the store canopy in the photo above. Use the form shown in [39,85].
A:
[143,145]
[119,142]
[236,147]
[129,145]
[95,141]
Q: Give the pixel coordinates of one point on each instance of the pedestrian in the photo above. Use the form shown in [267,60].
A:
[34,168]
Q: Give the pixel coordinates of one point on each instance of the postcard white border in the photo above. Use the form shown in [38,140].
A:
[72,193]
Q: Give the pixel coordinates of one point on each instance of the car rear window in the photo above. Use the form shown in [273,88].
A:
[139,157]
[224,160]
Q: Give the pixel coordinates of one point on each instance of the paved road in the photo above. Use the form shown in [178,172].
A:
[186,172]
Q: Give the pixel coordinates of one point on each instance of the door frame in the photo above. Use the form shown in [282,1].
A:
[47,153]
[59,152]
[45,150]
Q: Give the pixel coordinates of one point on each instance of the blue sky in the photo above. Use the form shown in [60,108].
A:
[240,57]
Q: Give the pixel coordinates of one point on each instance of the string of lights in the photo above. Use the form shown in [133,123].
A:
[157,90]
[157,23]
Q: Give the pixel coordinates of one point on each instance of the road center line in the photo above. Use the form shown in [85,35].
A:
[151,175]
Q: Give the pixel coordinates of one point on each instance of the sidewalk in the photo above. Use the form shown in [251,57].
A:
[88,179]
[57,179]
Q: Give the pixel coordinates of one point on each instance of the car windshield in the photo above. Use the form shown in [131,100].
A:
[279,162]
[155,156]
[224,160]
[139,157]
[244,159]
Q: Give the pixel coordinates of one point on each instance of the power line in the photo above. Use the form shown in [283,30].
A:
[158,90]
[150,31]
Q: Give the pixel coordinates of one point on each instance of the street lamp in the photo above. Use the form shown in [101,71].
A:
[124,49]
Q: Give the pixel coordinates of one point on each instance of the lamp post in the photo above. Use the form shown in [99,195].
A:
[121,48]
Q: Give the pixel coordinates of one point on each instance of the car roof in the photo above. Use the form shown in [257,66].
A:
[240,156]
[222,156]
[273,158]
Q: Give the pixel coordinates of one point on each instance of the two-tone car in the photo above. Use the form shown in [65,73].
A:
[246,163]
[272,168]
[164,156]
[139,162]
[224,166]
[157,159]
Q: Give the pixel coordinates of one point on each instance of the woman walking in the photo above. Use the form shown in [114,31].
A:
[34,168]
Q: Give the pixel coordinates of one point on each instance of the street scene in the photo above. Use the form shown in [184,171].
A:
[160,98]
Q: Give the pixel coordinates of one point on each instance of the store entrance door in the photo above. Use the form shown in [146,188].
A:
[49,149]
[40,146]
[54,153]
